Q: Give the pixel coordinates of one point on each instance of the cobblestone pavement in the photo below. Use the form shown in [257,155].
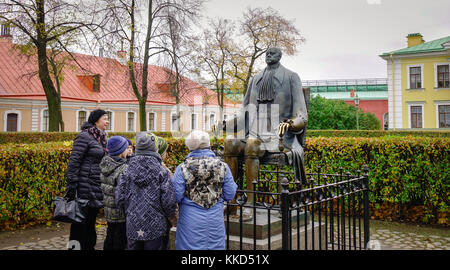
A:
[393,240]
[59,243]
[381,239]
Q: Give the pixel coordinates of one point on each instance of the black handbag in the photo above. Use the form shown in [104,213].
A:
[73,211]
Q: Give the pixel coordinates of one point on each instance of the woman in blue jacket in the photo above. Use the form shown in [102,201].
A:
[202,184]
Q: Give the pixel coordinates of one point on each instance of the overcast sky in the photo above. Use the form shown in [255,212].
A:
[344,38]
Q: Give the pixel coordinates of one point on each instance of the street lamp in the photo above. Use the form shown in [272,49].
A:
[357,109]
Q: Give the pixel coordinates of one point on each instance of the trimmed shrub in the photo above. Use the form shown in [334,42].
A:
[43,137]
[403,171]
[409,176]
[376,133]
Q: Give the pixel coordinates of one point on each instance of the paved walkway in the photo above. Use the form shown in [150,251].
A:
[380,239]
[393,240]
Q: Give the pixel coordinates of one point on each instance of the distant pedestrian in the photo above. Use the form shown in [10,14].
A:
[202,184]
[83,175]
[112,167]
[146,193]
[130,149]
[161,148]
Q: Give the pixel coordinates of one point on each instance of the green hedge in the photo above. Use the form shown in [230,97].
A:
[377,133]
[403,171]
[43,137]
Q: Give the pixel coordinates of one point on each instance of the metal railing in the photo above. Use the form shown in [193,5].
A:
[326,212]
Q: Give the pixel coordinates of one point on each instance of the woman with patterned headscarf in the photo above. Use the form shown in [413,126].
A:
[202,184]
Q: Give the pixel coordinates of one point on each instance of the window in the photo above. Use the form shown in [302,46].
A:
[11,124]
[151,121]
[130,121]
[193,121]
[96,83]
[444,116]
[44,119]
[82,116]
[415,77]
[174,124]
[442,75]
[212,120]
[416,116]
[110,119]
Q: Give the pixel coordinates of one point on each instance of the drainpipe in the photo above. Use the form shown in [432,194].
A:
[393,91]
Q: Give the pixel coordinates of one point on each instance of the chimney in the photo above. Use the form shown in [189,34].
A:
[121,54]
[415,39]
[5,33]
[100,52]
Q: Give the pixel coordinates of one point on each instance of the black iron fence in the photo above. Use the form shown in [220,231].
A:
[326,212]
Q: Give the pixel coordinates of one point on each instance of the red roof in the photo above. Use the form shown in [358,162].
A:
[19,79]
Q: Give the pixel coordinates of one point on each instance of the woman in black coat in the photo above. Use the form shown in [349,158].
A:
[83,175]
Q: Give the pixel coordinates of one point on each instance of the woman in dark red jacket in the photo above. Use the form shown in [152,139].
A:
[83,175]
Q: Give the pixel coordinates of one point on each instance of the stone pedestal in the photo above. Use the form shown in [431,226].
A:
[262,223]
[261,231]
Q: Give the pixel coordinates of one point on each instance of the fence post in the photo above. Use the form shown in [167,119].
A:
[285,213]
[366,206]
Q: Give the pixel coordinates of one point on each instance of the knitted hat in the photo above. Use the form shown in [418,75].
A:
[145,142]
[95,115]
[197,140]
[116,145]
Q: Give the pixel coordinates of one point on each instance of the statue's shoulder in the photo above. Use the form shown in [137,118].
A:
[288,71]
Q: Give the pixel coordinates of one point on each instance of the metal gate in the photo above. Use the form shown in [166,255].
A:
[326,212]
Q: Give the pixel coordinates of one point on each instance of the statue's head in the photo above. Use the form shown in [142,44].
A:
[273,55]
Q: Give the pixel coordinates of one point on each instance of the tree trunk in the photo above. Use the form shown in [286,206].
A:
[178,115]
[53,98]
[142,112]
[249,75]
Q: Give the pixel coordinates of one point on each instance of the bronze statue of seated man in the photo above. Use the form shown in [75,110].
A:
[272,119]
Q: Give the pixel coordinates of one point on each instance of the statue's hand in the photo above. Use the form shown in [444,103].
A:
[283,127]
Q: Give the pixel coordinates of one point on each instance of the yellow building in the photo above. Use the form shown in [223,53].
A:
[418,84]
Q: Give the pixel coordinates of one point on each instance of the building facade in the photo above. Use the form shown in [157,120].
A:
[418,84]
[371,94]
[103,83]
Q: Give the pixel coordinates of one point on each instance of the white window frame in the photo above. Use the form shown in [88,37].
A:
[19,119]
[196,121]
[134,121]
[421,76]
[77,117]
[421,104]
[209,122]
[384,122]
[435,74]
[111,120]
[42,120]
[171,124]
[148,120]
[437,104]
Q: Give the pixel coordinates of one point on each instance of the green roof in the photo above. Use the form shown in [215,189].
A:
[347,88]
[346,95]
[430,46]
